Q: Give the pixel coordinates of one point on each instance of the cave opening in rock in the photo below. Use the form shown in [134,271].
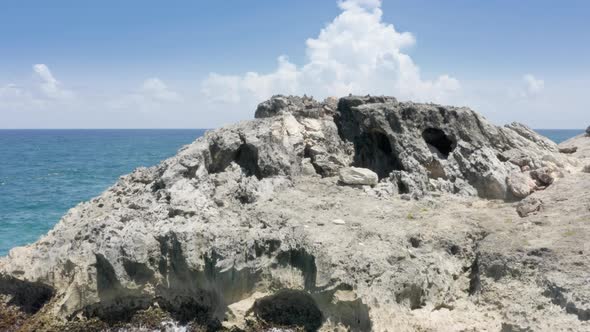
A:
[439,141]
[247,158]
[289,308]
[373,151]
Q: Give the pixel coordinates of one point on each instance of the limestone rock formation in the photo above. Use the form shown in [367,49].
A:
[213,234]
[358,176]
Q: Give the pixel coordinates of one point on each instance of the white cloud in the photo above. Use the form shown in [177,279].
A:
[356,53]
[49,86]
[46,91]
[353,4]
[152,94]
[533,86]
[12,92]
[14,97]
[155,89]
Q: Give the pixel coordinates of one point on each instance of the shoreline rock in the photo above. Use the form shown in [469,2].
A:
[246,210]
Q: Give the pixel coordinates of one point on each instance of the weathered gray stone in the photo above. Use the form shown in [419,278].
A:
[249,209]
[358,176]
[528,206]
[568,150]
[520,184]
[418,143]
[543,176]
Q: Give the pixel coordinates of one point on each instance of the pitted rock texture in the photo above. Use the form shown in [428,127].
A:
[248,210]
[426,147]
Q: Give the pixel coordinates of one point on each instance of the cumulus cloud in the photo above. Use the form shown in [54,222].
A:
[533,86]
[152,94]
[49,86]
[356,53]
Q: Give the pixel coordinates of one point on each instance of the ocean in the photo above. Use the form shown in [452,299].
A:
[43,173]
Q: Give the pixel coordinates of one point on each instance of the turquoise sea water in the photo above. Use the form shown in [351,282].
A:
[43,173]
[560,135]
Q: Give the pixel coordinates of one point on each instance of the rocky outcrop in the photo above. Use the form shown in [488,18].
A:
[255,208]
[424,147]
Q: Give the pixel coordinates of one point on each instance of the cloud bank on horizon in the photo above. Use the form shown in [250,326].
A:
[356,53]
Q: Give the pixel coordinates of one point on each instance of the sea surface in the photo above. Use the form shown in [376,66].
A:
[43,173]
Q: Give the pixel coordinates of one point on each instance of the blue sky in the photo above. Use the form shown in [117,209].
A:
[146,64]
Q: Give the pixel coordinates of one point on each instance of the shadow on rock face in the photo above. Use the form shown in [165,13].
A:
[199,295]
[297,308]
[117,303]
[30,297]
[303,261]
[342,306]
[289,307]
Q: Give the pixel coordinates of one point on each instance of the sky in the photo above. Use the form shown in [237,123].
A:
[203,64]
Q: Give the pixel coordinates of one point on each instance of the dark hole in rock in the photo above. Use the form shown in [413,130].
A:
[454,249]
[138,272]
[474,277]
[308,154]
[247,158]
[415,242]
[287,307]
[158,185]
[373,151]
[438,140]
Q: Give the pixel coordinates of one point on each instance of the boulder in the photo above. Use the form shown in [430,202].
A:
[586,169]
[543,176]
[528,206]
[358,176]
[520,184]
[588,131]
[568,150]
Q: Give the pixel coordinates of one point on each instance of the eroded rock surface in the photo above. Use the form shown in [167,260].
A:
[249,210]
